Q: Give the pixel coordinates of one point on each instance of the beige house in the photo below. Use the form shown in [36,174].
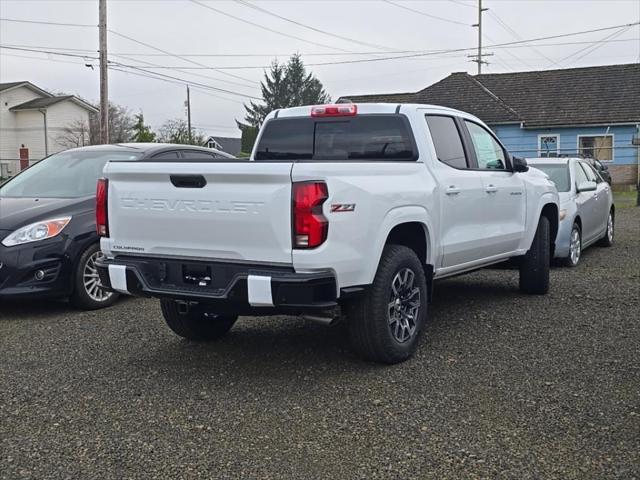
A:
[39,124]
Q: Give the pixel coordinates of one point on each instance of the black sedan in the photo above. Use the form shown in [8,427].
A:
[48,239]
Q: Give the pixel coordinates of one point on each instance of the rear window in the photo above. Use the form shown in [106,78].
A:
[558,173]
[364,137]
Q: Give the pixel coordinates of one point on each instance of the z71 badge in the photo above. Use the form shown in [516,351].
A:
[343,207]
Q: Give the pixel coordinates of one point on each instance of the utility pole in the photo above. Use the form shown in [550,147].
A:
[478,58]
[189,114]
[104,93]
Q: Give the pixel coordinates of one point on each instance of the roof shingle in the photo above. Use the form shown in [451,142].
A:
[574,96]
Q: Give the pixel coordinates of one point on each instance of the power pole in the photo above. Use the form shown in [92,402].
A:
[478,58]
[104,92]
[189,114]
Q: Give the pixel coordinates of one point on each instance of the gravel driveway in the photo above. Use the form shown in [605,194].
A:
[503,386]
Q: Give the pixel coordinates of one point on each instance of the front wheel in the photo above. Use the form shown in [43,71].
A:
[88,293]
[607,240]
[196,323]
[385,325]
[534,268]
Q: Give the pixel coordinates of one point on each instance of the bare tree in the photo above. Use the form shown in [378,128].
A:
[74,134]
[120,125]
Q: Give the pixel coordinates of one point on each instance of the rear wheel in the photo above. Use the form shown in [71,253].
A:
[575,247]
[534,268]
[385,325]
[607,240]
[196,323]
[88,293]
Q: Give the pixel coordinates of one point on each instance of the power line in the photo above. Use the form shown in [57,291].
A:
[139,69]
[593,47]
[221,12]
[514,44]
[131,39]
[404,7]
[59,24]
[431,53]
[181,83]
[516,35]
[137,54]
[300,24]
[208,77]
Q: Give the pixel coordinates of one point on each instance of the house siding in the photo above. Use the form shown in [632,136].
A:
[26,127]
[524,142]
[9,143]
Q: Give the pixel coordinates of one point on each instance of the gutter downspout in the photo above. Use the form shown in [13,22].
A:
[43,111]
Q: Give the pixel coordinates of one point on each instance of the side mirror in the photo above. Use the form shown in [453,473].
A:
[586,187]
[519,164]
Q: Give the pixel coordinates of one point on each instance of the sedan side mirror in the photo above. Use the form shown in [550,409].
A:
[519,164]
[586,187]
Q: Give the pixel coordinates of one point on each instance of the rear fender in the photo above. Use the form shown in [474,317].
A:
[395,217]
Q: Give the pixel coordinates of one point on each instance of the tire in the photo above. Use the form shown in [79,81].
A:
[196,324]
[575,247]
[384,326]
[87,294]
[607,240]
[534,268]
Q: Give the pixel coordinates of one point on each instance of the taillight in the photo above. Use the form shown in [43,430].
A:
[340,110]
[102,223]
[310,226]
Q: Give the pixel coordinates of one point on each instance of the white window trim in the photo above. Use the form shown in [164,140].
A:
[613,145]
[557,135]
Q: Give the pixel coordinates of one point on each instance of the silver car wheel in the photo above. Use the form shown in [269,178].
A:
[91,280]
[404,305]
[610,228]
[575,247]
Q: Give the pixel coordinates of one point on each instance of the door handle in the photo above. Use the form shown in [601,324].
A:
[452,190]
[491,188]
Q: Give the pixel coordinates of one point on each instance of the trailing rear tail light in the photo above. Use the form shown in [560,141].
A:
[340,110]
[102,223]
[310,226]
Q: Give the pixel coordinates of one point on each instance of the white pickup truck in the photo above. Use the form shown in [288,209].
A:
[347,210]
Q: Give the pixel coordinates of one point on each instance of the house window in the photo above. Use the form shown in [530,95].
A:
[548,145]
[599,147]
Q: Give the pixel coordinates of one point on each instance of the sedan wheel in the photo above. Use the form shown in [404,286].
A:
[91,280]
[575,247]
[607,239]
[88,293]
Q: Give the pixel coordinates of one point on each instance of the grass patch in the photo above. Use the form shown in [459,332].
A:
[625,199]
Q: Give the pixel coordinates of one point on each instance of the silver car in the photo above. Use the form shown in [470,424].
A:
[587,212]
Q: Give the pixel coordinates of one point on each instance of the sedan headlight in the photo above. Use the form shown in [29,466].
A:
[563,214]
[36,231]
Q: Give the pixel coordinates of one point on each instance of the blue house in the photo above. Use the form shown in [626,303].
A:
[592,111]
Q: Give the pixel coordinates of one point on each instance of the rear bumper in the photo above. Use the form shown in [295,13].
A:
[229,287]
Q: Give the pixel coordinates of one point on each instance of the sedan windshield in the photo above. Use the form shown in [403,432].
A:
[70,174]
[558,173]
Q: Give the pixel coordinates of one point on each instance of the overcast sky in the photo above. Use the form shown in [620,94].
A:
[376,27]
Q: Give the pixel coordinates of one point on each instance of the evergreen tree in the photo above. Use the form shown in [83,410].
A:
[285,86]
[142,132]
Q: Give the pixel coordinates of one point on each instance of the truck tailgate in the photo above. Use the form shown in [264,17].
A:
[228,210]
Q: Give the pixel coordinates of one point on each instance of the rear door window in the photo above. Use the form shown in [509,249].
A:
[363,137]
[172,155]
[447,141]
[198,155]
